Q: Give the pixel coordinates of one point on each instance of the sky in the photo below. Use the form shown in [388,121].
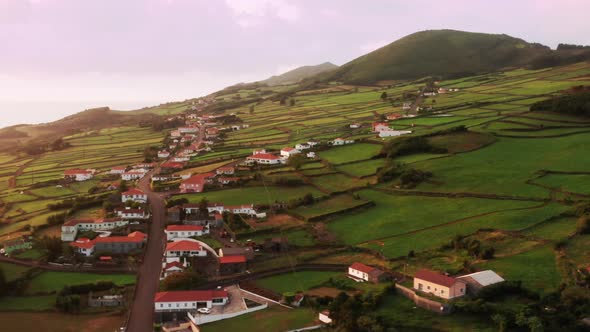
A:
[59,57]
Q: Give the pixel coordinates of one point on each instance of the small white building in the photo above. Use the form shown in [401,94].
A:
[118,170]
[134,195]
[303,146]
[129,213]
[341,141]
[313,143]
[133,174]
[78,174]
[324,317]
[288,152]
[355,125]
[264,158]
[189,300]
[439,284]
[393,133]
[70,228]
[163,154]
[184,231]
[311,155]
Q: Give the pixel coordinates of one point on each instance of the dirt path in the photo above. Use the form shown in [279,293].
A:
[19,172]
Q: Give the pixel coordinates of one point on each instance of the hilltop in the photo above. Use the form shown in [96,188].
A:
[298,74]
[448,54]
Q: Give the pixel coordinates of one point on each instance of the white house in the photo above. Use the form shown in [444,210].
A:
[311,155]
[303,146]
[312,143]
[380,126]
[130,213]
[362,272]
[288,152]
[241,209]
[70,228]
[393,133]
[439,284]
[189,300]
[133,174]
[78,174]
[184,231]
[355,125]
[184,247]
[264,158]
[341,141]
[169,268]
[134,195]
[118,170]
[163,154]
[186,130]
[179,158]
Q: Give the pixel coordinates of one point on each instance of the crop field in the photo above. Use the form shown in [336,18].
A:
[253,195]
[331,205]
[12,271]
[296,281]
[48,282]
[339,182]
[363,168]
[271,319]
[350,153]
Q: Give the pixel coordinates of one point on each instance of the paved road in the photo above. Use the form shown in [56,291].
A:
[142,311]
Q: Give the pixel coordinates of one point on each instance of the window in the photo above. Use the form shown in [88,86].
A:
[169,305]
[428,287]
[161,305]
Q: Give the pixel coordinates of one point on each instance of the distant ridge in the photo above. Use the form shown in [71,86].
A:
[298,74]
[446,53]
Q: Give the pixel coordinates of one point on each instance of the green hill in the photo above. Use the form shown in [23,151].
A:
[446,53]
[298,74]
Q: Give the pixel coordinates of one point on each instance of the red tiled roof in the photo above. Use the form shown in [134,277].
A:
[119,168]
[268,156]
[232,259]
[288,149]
[186,296]
[131,238]
[174,228]
[183,245]
[83,243]
[173,264]
[105,258]
[133,191]
[76,171]
[172,164]
[361,267]
[435,277]
[198,179]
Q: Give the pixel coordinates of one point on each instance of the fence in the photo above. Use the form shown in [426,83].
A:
[204,319]
[423,302]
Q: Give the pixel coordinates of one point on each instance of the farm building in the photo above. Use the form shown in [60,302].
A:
[264,158]
[379,126]
[478,280]
[303,146]
[439,284]
[288,152]
[231,265]
[78,174]
[393,116]
[196,183]
[189,300]
[134,195]
[118,170]
[129,213]
[228,180]
[362,272]
[245,251]
[211,132]
[133,175]
[355,125]
[393,133]
[225,170]
[184,231]
[70,228]
[324,317]
[341,141]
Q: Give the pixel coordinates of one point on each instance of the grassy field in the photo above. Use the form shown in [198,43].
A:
[254,195]
[350,153]
[58,322]
[12,271]
[271,319]
[27,303]
[331,205]
[55,281]
[363,168]
[296,281]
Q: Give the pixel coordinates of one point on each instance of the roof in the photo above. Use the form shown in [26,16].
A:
[380,124]
[173,264]
[75,222]
[484,278]
[186,296]
[174,228]
[83,243]
[133,191]
[198,179]
[183,245]
[172,164]
[326,313]
[288,149]
[76,171]
[243,206]
[235,251]
[362,267]
[232,259]
[435,278]
[269,156]
[117,168]
[130,238]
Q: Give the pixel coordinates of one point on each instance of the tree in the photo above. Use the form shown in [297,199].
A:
[203,204]
[583,225]
[296,161]
[182,281]
[52,246]
[292,102]
[384,95]
[3,285]
[283,101]
[500,321]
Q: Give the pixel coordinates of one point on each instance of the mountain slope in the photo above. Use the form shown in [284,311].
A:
[444,53]
[298,74]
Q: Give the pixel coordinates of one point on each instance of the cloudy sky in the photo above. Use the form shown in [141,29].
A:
[59,57]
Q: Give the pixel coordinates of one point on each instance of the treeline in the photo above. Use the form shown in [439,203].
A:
[576,103]
[37,147]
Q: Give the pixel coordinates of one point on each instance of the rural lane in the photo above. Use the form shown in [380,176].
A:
[142,310]
[141,317]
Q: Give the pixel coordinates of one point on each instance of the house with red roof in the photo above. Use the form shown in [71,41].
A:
[169,268]
[211,132]
[111,244]
[184,247]
[78,174]
[362,272]
[439,285]
[184,231]
[288,152]
[134,195]
[379,126]
[163,154]
[118,170]
[196,183]
[225,170]
[171,166]
[70,228]
[231,265]
[393,116]
[189,300]
[133,174]
[264,158]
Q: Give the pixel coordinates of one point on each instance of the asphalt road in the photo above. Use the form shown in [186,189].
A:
[141,317]
[142,311]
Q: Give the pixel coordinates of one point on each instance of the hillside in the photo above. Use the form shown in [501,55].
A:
[446,53]
[298,74]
